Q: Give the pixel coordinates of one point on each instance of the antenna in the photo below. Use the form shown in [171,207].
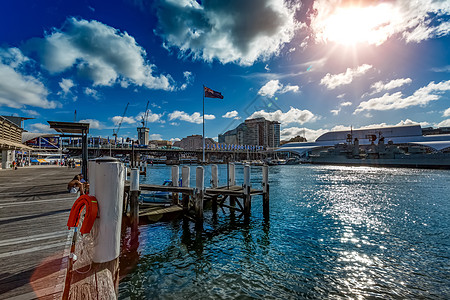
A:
[75,116]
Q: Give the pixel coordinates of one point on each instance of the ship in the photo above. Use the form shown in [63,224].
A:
[405,148]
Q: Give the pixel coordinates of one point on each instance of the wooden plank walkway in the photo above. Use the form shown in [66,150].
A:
[34,239]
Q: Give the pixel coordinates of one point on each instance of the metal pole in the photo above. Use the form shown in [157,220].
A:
[203,124]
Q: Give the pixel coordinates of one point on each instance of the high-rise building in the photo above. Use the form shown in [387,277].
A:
[143,135]
[259,132]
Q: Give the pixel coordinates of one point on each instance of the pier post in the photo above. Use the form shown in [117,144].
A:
[200,186]
[247,197]
[134,199]
[107,181]
[175,181]
[265,186]
[185,182]
[214,184]
[232,182]
[232,178]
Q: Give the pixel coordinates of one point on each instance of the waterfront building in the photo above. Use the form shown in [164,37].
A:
[409,135]
[193,142]
[256,132]
[10,139]
[160,144]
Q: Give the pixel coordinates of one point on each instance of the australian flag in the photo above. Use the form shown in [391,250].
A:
[209,93]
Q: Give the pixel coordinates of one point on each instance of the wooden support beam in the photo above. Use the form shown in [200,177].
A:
[199,197]
[175,181]
[247,187]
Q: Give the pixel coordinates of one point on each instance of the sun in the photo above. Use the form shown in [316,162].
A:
[354,25]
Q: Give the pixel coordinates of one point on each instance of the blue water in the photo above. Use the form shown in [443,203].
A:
[333,232]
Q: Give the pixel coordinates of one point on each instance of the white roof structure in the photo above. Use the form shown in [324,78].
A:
[411,134]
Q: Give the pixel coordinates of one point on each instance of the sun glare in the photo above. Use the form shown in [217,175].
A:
[353,25]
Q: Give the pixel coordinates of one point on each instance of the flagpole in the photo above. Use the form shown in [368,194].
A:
[203,123]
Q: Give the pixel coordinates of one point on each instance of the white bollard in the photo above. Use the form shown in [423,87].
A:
[246,175]
[134,180]
[175,175]
[199,179]
[232,179]
[107,185]
[185,176]
[214,176]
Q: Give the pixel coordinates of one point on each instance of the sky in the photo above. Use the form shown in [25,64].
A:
[314,66]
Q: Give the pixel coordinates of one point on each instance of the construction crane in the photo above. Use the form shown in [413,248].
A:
[145,116]
[116,131]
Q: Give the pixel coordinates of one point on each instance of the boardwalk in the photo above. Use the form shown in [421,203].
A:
[34,240]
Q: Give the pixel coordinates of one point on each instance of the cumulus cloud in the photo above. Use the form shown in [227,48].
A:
[333,81]
[93,124]
[422,96]
[309,134]
[338,110]
[155,137]
[151,117]
[100,53]
[374,22]
[189,79]
[175,139]
[196,117]
[229,31]
[446,113]
[293,115]
[17,89]
[126,120]
[65,85]
[230,114]
[381,86]
[445,123]
[39,127]
[91,92]
[274,86]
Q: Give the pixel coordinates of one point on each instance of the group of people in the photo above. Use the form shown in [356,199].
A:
[78,184]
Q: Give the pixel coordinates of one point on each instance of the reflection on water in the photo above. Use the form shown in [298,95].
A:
[333,232]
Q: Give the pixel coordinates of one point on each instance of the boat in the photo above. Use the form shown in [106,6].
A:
[158,197]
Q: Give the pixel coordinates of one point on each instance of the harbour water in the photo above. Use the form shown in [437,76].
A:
[333,232]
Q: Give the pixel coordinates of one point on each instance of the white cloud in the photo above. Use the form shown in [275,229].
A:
[93,124]
[309,134]
[341,96]
[189,79]
[155,137]
[333,81]
[380,86]
[446,113]
[348,103]
[294,115]
[101,53]
[230,114]
[151,117]
[39,127]
[374,23]
[445,123]
[335,111]
[30,112]
[274,86]
[65,85]
[91,92]
[155,105]
[17,89]
[441,69]
[422,96]
[175,139]
[194,118]
[126,120]
[229,31]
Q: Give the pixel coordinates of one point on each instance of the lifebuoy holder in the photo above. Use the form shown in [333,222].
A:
[90,202]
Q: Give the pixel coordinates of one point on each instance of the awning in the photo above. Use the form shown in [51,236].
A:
[8,145]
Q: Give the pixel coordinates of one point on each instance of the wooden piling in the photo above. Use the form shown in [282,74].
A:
[175,181]
[231,174]
[214,184]
[265,187]
[134,199]
[199,184]
[185,182]
[247,186]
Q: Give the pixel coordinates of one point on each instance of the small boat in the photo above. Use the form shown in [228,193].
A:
[158,197]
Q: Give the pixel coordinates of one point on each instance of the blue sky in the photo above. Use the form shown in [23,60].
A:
[314,66]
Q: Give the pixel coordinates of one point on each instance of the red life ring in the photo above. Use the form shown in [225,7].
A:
[90,202]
